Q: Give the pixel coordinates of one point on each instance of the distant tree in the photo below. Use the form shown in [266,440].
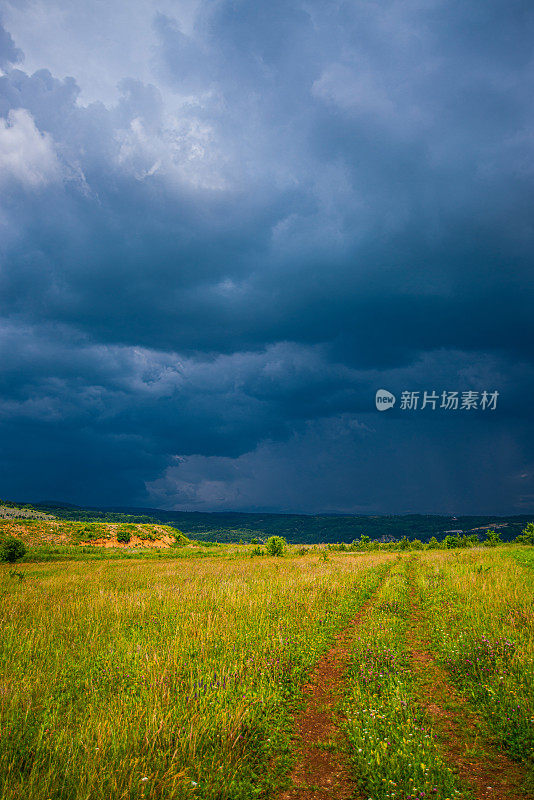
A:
[470,540]
[494,538]
[450,542]
[12,549]
[276,545]
[527,535]
[416,544]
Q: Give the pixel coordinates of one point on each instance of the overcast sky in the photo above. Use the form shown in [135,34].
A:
[224,225]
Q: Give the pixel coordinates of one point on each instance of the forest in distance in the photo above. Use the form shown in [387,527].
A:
[226,527]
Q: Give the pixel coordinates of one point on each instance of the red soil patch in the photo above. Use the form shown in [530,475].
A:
[135,541]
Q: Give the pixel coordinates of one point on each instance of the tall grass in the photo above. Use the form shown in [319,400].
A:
[480,606]
[155,678]
[391,742]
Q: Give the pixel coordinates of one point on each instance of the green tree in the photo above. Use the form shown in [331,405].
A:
[123,535]
[494,538]
[527,535]
[276,545]
[416,544]
[12,549]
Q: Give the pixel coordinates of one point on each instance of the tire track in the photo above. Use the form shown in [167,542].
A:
[320,772]
[489,772]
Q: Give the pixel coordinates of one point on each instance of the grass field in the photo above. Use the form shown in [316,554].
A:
[160,678]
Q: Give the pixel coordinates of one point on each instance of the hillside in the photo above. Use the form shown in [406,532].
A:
[34,532]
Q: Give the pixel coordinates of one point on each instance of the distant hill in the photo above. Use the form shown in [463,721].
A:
[9,510]
[296,528]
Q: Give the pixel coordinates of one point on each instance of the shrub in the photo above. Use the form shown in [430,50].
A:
[527,535]
[276,545]
[494,538]
[416,544]
[123,535]
[450,542]
[12,549]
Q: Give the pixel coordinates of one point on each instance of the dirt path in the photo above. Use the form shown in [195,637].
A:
[320,773]
[489,772]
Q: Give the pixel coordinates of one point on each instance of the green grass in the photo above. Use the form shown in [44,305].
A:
[65,553]
[174,673]
[162,678]
[523,556]
[391,743]
[480,608]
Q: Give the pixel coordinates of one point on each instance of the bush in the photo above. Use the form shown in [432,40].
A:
[123,535]
[276,545]
[12,549]
[527,535]
[450,542]
[494,538]
[416,544]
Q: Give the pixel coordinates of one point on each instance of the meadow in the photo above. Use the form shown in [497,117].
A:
[180,678]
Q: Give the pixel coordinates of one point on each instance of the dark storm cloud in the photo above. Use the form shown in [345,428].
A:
[9,53]
[306,204]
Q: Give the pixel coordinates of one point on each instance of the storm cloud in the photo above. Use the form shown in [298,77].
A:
[222,231]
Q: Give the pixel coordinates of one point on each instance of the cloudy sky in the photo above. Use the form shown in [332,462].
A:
[225,224]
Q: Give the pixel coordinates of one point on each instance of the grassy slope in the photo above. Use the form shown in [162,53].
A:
[35,532]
